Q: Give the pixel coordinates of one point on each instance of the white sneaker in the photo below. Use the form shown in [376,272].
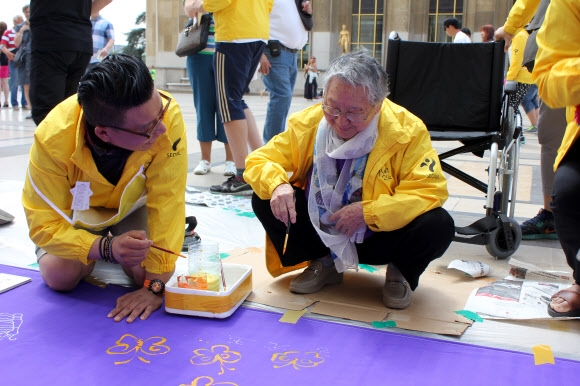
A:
[202,168]
[229,169]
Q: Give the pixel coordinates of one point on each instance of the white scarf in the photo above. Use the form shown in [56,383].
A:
[329,191]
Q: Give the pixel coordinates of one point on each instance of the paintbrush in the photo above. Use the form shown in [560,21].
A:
[168,251]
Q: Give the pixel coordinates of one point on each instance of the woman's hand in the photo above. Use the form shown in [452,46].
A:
[349,219]
[283,203]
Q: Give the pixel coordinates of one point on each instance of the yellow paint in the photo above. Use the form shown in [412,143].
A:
[297,359]
[205,380]
[218,353]
[128,344]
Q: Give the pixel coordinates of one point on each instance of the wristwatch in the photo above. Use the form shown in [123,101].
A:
[155,286]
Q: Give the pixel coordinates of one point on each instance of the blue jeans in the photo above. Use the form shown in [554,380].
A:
[14,86]
[530,100]
[280,84]
[202,79]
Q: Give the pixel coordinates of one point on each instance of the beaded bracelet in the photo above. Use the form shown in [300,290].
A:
[106,249]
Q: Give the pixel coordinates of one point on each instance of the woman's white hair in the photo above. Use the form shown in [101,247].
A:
[359,69]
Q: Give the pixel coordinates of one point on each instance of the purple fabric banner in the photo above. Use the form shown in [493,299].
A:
[66,339]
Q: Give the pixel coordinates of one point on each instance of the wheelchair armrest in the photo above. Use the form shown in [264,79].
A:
[510,86]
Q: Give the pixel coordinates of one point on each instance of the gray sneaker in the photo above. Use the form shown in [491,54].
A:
[314,277]
[233,186]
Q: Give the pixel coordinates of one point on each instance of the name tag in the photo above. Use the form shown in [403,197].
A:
[81,195]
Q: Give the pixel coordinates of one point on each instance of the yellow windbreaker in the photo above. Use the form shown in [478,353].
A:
[403,177]
[520,14]
[59,158]
[557,67]
[517,71]
[240,19]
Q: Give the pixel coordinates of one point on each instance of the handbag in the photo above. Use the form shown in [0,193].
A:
[194,36]
[18,60]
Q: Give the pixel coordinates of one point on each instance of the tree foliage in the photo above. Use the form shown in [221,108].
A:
[136,38]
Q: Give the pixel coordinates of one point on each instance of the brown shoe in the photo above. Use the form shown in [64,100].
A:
[314,278]
[396,292]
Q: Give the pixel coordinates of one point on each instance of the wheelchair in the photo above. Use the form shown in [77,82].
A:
[458,92]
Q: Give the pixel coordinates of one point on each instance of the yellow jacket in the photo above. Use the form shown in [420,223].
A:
[557,67]
[59,158]
[520,14]
[240,19]
[516,70]
[403,177]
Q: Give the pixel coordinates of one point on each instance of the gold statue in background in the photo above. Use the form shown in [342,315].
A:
[344,40]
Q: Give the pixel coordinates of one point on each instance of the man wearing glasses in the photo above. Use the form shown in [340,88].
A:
[354,180]
[105,181]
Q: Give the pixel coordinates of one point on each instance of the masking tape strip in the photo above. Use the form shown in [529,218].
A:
[292,316]
[384,324]
[367,267]
[470,315]
[543,354]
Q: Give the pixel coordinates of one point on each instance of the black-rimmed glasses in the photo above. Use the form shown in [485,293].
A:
[150,132]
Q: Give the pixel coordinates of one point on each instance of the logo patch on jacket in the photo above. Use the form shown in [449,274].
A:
[430,163]
[385,174]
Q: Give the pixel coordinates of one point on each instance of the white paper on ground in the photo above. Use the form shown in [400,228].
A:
[471,268]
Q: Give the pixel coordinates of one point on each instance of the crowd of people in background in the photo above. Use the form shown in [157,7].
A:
[46,62]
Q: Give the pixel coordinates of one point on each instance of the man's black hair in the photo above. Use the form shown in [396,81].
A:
[120,82]
[452,22]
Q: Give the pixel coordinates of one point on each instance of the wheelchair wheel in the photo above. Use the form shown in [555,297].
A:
[497,246]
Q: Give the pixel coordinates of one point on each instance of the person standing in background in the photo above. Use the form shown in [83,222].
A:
[551,123]
[311,84]
[7,47]
[103,38]
[487,32]
[242,28]
[526,91]
[22,41]
[62,46]
[452,28]
[209,124]
[279,62]
[4,70]
[557,74]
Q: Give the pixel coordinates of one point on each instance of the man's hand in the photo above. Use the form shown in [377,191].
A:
[265,65]
[507,37]
[307,7]
[131,248]
[283,204]
[139,304]
[349,219]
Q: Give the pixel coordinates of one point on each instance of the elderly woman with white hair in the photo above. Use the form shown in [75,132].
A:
[352,180]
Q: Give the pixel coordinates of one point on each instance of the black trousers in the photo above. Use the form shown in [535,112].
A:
[410,248]
[566,207]
[54,76]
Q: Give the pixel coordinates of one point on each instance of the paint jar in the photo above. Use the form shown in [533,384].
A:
[204,266]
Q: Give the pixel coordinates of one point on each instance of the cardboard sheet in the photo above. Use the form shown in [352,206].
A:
[441,292]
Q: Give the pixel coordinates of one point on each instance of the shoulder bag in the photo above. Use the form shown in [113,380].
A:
[194,36]
[531,48]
